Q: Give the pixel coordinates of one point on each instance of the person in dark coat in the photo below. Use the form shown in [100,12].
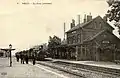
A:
[22,58]
[17,57]
[34,59]
[26,58]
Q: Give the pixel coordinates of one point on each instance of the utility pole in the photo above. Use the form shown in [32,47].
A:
[9,50]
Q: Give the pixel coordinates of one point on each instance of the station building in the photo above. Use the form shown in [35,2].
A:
[91,40]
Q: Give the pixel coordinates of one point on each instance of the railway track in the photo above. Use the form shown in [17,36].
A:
[61,68]
[110,71]
[81,70]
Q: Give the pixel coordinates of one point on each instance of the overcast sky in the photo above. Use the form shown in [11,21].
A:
[26,25]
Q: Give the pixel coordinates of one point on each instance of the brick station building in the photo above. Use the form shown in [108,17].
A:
[91,40]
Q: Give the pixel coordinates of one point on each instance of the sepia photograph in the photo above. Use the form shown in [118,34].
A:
[60,39]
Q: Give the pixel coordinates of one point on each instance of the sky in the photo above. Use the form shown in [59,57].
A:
[24,26]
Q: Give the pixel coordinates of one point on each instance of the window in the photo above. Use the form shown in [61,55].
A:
[105,42]
[78,38]
[100,24]
[73,39]
[104,36]
[68,40]
[83,50]
[95,25]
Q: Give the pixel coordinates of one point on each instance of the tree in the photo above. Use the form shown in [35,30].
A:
[53,43]
[114,12]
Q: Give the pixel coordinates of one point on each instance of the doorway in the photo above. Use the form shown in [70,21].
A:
[106,55]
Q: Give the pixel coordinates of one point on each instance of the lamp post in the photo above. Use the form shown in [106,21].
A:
[10,46]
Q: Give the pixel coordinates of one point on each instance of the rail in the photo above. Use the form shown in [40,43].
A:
[112,71]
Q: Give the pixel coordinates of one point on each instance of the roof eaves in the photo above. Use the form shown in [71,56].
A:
[108,24]
[72,29]
[90,21]
[93,37]
[78,26]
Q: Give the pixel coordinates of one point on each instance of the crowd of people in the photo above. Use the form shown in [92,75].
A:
[24,58]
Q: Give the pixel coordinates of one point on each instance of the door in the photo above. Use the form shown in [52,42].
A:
[106,55]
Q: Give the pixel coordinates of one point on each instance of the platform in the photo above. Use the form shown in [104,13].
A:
[92,63]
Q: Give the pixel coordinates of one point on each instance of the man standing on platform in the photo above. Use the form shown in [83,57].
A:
[33,59]
[26,58]
[17,57]
[22,58]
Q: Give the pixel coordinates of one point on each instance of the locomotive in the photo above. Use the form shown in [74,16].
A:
[41,54]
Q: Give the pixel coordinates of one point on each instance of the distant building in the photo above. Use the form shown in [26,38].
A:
[91,40]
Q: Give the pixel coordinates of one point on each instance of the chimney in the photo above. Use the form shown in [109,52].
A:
[85,18]
[73,23]
[64,30]
[79,19]
[89,17]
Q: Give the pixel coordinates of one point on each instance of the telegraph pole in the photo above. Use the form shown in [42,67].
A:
[9,50]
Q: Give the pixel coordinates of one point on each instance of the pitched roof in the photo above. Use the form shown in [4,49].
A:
[78,26]
[93,37]
[85,24]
